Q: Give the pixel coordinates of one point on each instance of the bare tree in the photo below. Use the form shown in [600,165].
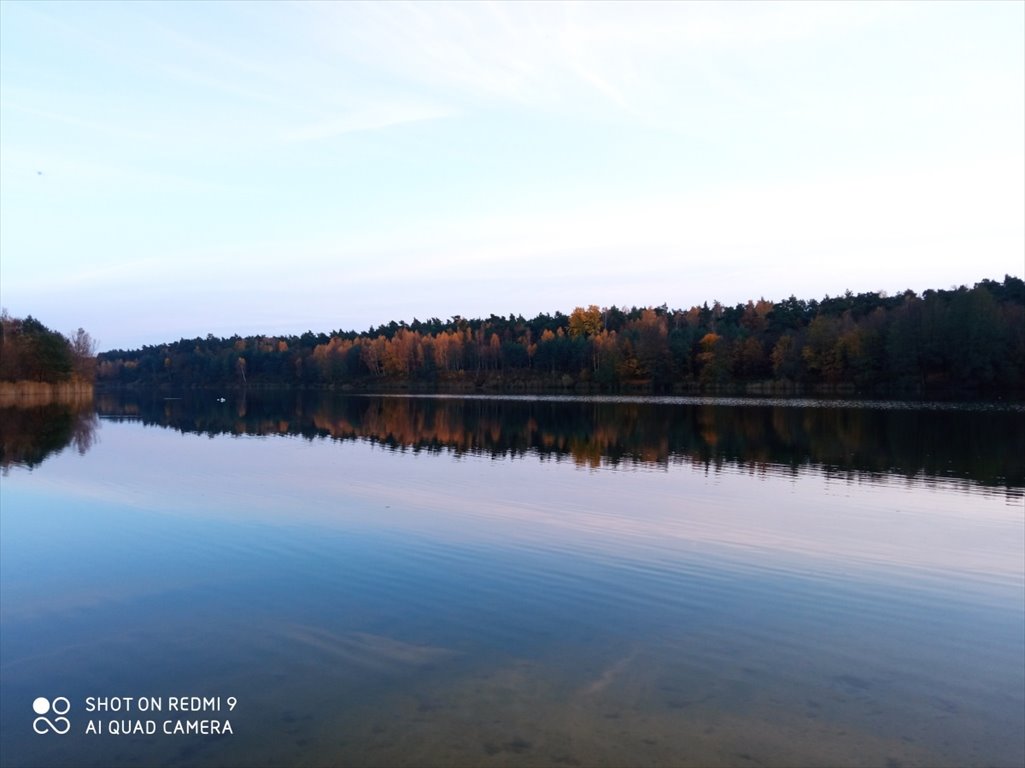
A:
[83,351]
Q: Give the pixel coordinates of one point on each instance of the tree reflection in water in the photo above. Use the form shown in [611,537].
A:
[969,443]
[31,434]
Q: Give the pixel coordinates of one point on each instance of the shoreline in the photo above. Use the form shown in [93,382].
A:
[572,388]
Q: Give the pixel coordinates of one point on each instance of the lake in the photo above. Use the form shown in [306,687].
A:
[486,581]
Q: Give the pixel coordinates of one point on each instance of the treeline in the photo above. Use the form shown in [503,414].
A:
[29,351]
[963,339]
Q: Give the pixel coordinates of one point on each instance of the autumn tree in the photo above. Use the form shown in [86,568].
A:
[649,334]
[713,359]
[821,353]
[585,322]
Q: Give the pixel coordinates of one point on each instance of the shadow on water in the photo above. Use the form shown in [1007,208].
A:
[977,445]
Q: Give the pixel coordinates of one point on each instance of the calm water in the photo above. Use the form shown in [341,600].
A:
[477,581]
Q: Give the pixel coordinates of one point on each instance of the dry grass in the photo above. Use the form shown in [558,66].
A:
[32,393]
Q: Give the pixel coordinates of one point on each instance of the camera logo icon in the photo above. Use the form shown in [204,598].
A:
[59,707]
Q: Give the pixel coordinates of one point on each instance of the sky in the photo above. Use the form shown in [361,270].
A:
[169,170]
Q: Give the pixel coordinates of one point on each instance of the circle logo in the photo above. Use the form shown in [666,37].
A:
[60,706]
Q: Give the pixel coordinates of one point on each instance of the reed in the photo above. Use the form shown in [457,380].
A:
[32,393]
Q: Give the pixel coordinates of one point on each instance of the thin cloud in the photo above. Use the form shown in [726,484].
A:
[562,55]
[368,118]
[538,155]
[117,130]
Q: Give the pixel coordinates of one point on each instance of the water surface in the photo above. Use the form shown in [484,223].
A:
[482,581]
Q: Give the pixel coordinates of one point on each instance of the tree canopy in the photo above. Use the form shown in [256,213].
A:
[29,351]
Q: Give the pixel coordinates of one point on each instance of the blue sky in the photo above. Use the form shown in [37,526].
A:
[169,170]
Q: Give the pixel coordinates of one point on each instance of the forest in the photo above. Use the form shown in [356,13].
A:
[31,352]
[961,340]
